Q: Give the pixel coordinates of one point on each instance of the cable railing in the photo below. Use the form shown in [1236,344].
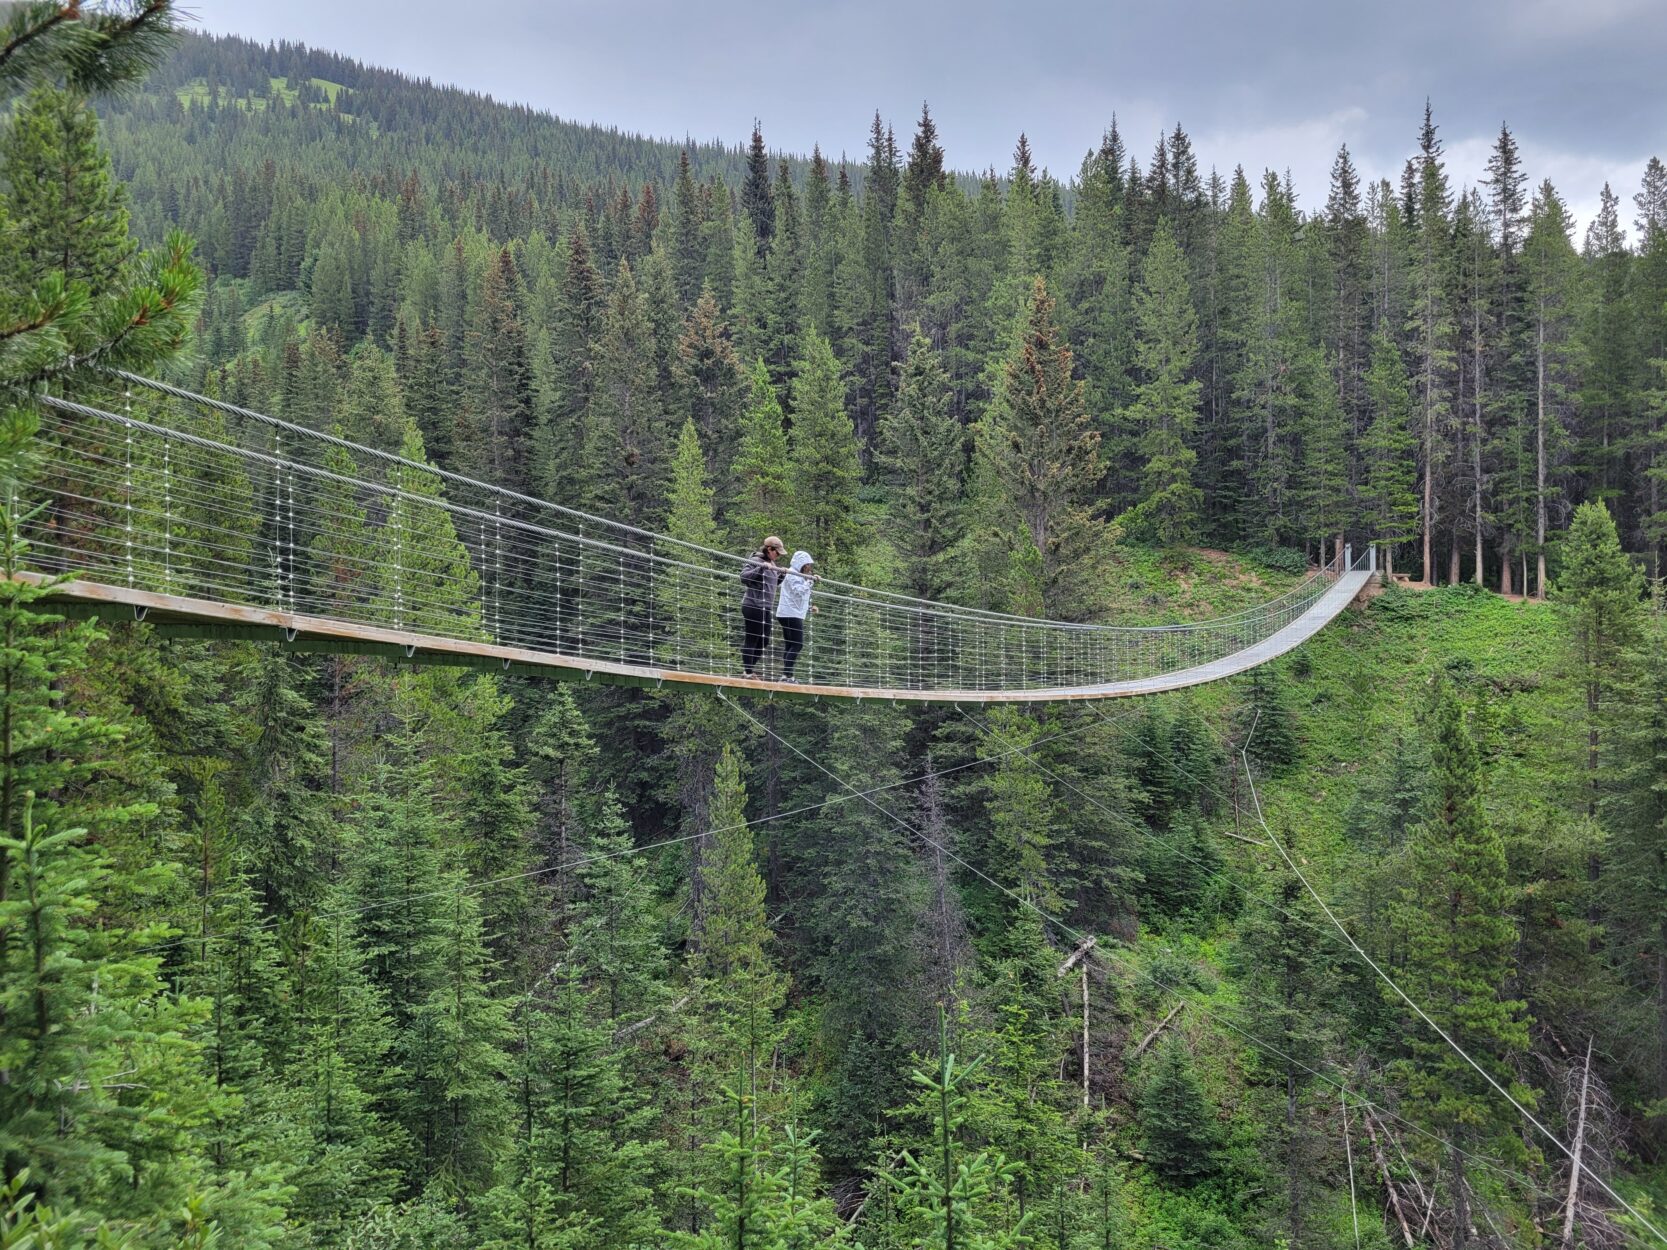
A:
[192,497]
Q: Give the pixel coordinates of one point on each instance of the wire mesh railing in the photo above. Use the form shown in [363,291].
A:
[190,496]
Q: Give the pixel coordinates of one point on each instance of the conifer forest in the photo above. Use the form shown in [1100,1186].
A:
[1365,947]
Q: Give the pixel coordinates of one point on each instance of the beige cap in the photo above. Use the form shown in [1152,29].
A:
[773,541]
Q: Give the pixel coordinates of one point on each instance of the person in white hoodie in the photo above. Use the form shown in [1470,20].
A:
[793,609]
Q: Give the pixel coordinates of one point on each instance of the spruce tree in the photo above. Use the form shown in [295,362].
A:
[1178,1130]
[712,389]
[759,492]
[1291,987]
[1389,500]
[109,1110]
[68,212]
[1635,814]
[627,445]
[1165,407]
[576,327]
[757,195]
[822,465]
[1550,266]
[1602,594]
[74,293]
[922,456]
[1456,913]
[1038,467]
[1430,325]
[495,424]
[949,1196]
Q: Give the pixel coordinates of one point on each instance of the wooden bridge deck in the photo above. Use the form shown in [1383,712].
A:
[180,616]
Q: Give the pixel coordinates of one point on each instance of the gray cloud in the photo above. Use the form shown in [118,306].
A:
[1273,84]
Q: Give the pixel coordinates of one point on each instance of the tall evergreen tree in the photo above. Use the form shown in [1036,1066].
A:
[1549,262]
[495,423]
[1166,401]
[627,442]
[1456,912]
[68,212]
[823,468]
[760,498]
[1389,491]
[922,455]
[1038,470]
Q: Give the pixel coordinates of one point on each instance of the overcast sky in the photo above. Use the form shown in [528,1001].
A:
[1265,83]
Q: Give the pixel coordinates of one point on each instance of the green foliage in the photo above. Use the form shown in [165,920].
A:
[1166,402]
[1178,1130]
[922,455]
[761,495]
[823,469]
[1455,909]
[950,1196]
[1038,467]
[108,1099]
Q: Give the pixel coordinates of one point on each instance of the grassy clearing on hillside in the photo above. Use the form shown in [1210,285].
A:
[279,90]
[1360,685]
[1168,586]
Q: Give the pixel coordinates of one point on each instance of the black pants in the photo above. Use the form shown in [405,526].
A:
[792,642]
[757,638]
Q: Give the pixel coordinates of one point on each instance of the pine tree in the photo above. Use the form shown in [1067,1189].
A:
[115,309]
[740,991]
[1606,357]
[423,578]
[1429,321]
[1389,498]
[757,195]
[1038,466]
[822,466]
[1635,813]
[108,1110]
[579,1171]
[1602,593]
[784,283]
[372,407]
[947,1195]
[1550,266]
[922,456]
[687,253]
[425,951]
[576,328]
[1177,1122]
[711,385]
[1024,823]
[1456,913]
[69,214]
[338,1075]
[1291,987]
[760,500]
[693,601]
[495,424]
[627,445]
[1165,407]
[1649,291]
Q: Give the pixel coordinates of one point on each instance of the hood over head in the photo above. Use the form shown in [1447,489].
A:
[801,559]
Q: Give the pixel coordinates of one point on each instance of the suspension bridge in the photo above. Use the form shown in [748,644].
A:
[209,519]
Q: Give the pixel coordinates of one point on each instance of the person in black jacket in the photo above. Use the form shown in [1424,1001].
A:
[759,576]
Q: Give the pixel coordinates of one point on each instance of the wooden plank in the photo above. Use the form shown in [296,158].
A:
[325,633]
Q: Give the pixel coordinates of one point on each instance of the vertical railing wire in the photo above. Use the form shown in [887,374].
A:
[167,516]
[127,482]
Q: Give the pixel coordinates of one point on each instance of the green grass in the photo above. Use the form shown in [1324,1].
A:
[1167,586]
[1368,677]
[278,89]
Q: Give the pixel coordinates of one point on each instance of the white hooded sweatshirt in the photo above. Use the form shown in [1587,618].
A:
[795,589]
